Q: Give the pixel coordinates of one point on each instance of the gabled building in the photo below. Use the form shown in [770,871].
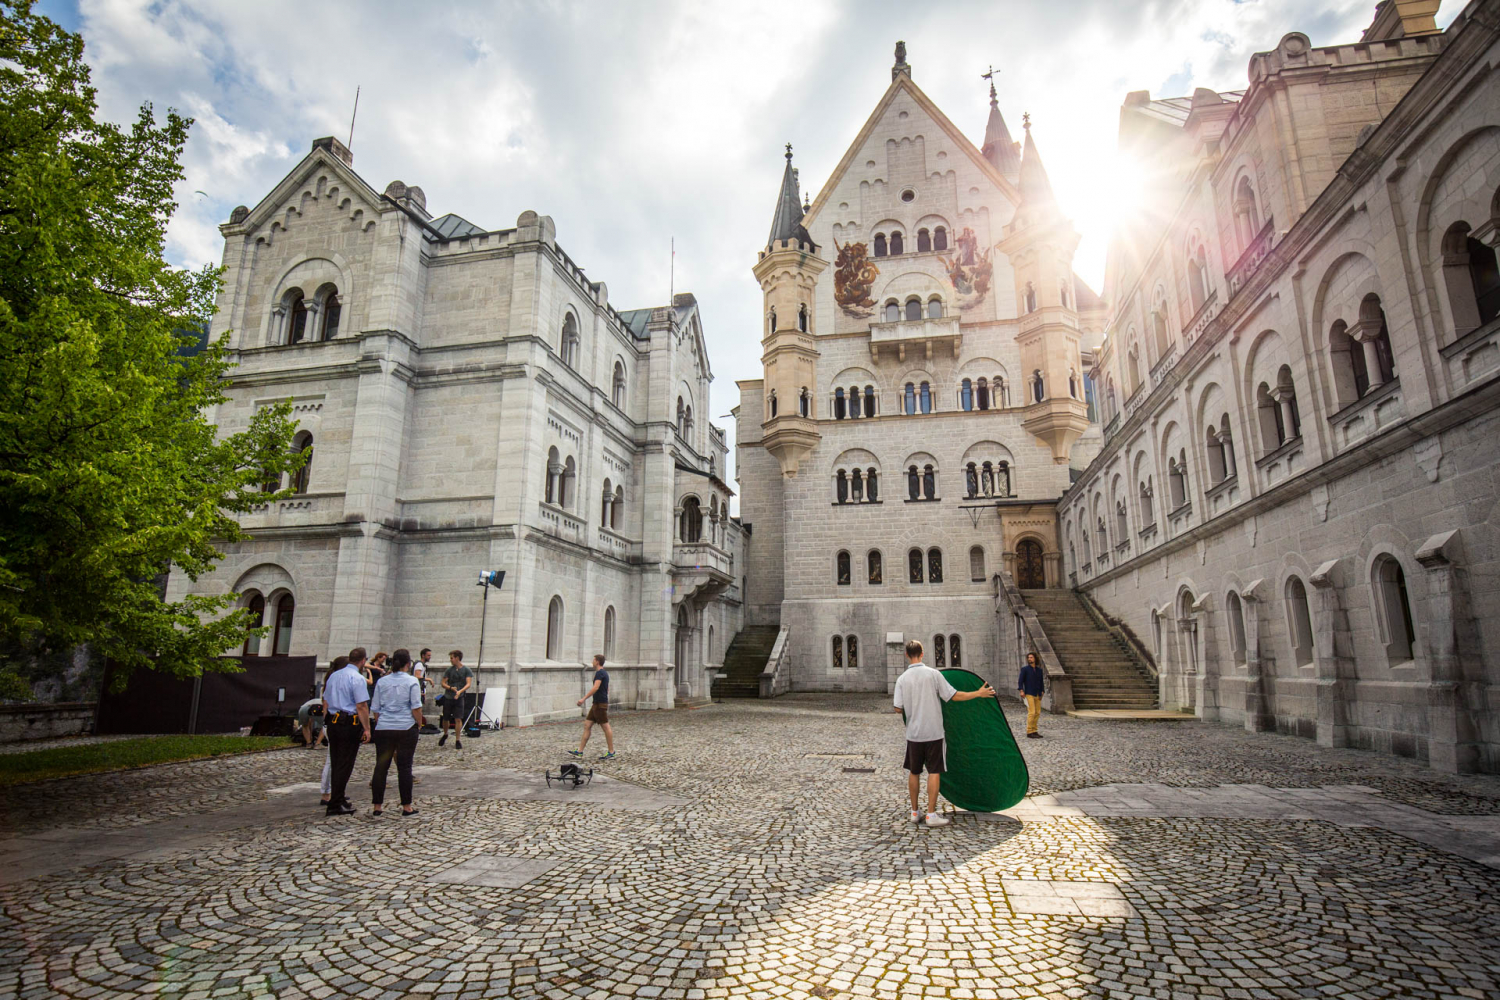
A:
[472,401]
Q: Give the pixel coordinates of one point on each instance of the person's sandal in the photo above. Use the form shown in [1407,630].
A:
[412,812]
[377,811]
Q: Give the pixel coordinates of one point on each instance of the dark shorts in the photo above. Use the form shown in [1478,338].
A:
[599,713]
[927,754]
[453,708]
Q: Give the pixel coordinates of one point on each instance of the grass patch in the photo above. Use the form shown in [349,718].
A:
[120,755]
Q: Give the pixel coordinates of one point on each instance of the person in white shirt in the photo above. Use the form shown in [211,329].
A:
[346,701]
[920,692]
[397,712]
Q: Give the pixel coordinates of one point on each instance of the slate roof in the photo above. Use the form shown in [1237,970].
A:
[1174,110]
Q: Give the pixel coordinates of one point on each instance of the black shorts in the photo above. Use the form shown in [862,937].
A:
[925,754]
[453,708]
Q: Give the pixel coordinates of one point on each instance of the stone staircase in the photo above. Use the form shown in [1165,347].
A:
[744,660]
[1103,674]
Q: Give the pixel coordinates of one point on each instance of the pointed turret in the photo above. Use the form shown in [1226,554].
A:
[786,224]
[999,148]
[1035,186]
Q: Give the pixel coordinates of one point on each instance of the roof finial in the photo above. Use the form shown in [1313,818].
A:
[990,76]
[901,64]
[788,151]
[806,205]
[1026,120]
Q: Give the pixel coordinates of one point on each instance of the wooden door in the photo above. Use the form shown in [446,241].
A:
[1030,574]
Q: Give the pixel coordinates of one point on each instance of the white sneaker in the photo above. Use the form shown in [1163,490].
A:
[916,816]
[933,819]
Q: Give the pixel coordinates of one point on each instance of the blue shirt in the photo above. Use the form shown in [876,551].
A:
[601,696]
[345,688]
[1031,681]
[395,696]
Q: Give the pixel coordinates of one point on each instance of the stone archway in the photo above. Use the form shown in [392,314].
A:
[1031,572]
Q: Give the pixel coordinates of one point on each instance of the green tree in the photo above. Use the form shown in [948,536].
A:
[110,469]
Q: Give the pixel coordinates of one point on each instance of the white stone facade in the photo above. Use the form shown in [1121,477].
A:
[909,172]
[1331,568]
[479,406]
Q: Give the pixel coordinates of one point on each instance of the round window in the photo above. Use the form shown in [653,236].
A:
[908,194]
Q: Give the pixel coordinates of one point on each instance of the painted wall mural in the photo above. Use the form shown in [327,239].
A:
[969,270]
[853,276]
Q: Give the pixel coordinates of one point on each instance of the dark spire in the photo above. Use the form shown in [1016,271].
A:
[1036,189]
[999,148]
[786,224]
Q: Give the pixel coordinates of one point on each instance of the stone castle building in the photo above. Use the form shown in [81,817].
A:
[471,401]
[1295,504]
[925,346]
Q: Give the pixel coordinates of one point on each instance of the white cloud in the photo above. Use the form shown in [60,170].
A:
[633,123]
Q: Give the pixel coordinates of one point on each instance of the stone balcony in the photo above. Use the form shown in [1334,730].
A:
[304,509]
[700,570]
[921,334]
[1254,255]
[562,523]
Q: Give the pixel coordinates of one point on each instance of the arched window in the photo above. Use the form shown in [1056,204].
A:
[1159,328]
[804,402]
[976,564]
[772,321]
[838,653]
[606,500]
[711,648]
[1218,468]
[939,652]
[1299,622]
[1177,480]
[1038,387]
[1236,611]
[691,529]
[616,509]
[857,485]
[570,341]
[869,401]
[567,486]
[841,570]
[934,565]
[296,305]
[681,416]
[854,401]
[1374,334]
[1072,383]
[984,395]
[926,395]
[892,312]
[1062,293]
[838,404]
[872,566]
[841,487]
[257,608]
[896,247]
[1148,515]
[934,308]
[687,423]
[1272,425]
[802,318]
[771,403]
[1472,278]
[555,628]
[851,644]
[617,391]
[1393,609]
[913,483]
[609,632]
[1198,277]
[333,311]
[971,480]
[1246,219]
[929,483]
[1028,298]
[940,238]
[914,565]
[924,241]
[303,443]
[1133,369]
[880,244]
[966,395]
[1002,480]
[954,660]
[281,643]
[554,472]
[913,310]
[910,398]
[1226,448]
[1103,537]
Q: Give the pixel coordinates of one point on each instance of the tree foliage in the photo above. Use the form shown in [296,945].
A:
[110,467]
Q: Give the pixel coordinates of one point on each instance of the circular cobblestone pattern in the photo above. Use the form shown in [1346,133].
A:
[783,875]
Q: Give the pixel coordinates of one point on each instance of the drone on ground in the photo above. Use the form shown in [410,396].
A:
[571,775]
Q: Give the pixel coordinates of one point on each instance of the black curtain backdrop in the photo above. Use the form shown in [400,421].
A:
[156,703]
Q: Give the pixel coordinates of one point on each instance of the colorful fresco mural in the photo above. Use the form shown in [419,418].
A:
[969,270]
[853,276]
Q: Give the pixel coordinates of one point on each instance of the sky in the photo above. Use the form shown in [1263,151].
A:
[635,123]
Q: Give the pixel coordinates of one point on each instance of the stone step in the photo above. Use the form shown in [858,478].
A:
[1099,665]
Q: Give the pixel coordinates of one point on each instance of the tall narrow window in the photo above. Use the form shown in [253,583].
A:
[841,487]
[1028,298]
[869,400]
[802,318]
[910,397]
[805,402]
[1038,387]
[873,568]
[772,403]
[843,569]
[924,241]
[692,520]
[913,483]
[1159,327]
[1236,611]
[971,480]
[609,632]
[303,443]
[880,249]
[892,312]
[555,628]
[554,471]
[333,311]
[567,485]
[1198,277]
[257,619]
[934,565]
[984,393]
[838,404]
[1299,623]
[929,483]
[1002,480]
[617,391]
[976,564]
[966,395]
[607,498]
[871,492]
[939,652]
[1122,524]
[616,509]
[282,641]
[926,397]
[857,486]
[838,652]
[1393,610]
[298,328]
[914,565]
[570,341]
[940,238]
[935,309]
[854,402]
[1148,516]
[896,244]
[913,310]
[954,660]
[851,643]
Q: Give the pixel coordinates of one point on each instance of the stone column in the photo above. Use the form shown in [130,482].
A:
[278,327]
[1051,568]
[1283,398]
[1451,745]
[310,325]
[1333,654]
[1258,716]
[1207,691]
[1367,332]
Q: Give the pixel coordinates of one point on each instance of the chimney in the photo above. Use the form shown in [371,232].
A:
[335,147]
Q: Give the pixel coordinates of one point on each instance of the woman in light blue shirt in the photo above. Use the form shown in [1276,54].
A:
[396,711]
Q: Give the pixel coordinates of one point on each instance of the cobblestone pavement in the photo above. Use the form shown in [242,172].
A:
[1155,859]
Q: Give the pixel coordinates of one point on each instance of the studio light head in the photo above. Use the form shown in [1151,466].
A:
[491,578]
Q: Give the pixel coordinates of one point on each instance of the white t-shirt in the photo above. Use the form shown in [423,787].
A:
[921,691]
[419,670]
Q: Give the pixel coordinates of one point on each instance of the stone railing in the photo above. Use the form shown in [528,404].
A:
[1204,316]
[1163,365]
[776,678]
[40,722]
[1254,255]
[1058,697]
[1112,426]
[904,332]
[559,522]
[1134,648]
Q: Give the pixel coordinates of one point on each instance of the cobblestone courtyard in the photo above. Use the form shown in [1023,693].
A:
[734,855]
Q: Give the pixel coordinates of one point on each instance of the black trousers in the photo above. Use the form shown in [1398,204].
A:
[343,748]
[402,745]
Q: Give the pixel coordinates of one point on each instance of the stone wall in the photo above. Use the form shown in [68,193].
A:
[40,722]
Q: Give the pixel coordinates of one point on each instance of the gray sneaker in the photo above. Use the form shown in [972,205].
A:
[933,819]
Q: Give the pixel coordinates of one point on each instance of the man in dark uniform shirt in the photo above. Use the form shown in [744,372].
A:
[598,712]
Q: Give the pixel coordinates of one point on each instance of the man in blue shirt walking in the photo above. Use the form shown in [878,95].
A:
[1031,686]
[346,700]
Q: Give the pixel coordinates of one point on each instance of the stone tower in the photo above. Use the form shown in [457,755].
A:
[787,270]
[1040,243]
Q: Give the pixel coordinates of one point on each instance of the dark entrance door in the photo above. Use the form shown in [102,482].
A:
[1029,572]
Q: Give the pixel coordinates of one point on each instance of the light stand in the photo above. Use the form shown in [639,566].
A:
[487,578]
